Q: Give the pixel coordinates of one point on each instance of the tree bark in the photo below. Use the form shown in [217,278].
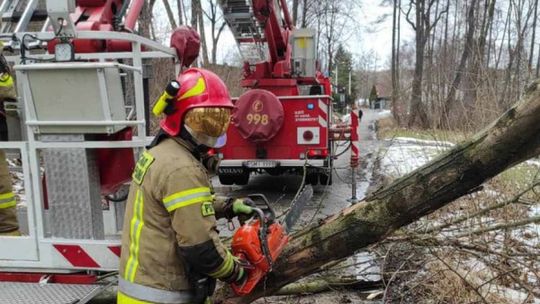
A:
[170,14]
[423,26]
[533,36]
[479,57]
[145,19]
[295,11]
[197,21]
[215,32]
[304,14]
[510,140]
[451,98]
[194,7]
[179,6]
[417,109]
[396,106]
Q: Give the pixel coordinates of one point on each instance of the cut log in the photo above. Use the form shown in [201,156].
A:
[513,138]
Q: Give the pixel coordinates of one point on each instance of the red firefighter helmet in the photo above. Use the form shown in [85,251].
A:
[203,105]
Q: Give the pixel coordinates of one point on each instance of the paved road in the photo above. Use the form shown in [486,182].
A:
[327,200]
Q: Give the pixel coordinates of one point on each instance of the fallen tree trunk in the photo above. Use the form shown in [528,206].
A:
[513,138]
[325,284]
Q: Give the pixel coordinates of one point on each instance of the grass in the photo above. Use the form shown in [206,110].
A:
[519,176]
[387,128]
[514,178]
[437,135]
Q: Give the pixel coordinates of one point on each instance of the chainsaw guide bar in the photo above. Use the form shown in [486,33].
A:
[297,206]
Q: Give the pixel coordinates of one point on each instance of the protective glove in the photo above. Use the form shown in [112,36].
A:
[238,276]
[239,207]
[243,206]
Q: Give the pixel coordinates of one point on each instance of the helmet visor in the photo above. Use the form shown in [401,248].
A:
[208,126]
[208,121]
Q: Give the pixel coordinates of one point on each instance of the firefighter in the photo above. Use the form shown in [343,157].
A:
[8,210]
[171,251]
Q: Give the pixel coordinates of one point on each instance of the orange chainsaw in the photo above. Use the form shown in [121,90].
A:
[261,240]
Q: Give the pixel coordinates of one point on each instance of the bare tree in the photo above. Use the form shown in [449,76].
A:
[396,104]
[533,35]
[194,5]
[202,32]
[170,14]
[295,11]
[215,28]
[513,79]
[305,9]
[334,22]
[145,19]
[180,9]
[478,57]
[197,22]
[423,25]
[451,98]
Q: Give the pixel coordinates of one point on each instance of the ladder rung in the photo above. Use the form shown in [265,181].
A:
[39,15]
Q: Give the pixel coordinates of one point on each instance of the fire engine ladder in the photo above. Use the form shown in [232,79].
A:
[23,15]
[249,35]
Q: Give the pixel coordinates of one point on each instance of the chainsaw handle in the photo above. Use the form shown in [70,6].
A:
[260,214]
[266,208]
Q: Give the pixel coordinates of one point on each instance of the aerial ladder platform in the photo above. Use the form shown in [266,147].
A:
[247,31]
[23,16]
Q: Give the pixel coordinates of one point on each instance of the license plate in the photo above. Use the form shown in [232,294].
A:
[261,164]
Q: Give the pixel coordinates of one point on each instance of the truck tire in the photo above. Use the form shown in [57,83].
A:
[226,179]
[325,179]
[242,179]
[312,178]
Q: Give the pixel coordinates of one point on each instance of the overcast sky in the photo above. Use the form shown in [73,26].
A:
[372,37]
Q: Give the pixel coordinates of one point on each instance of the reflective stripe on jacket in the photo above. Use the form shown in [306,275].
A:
[141,294]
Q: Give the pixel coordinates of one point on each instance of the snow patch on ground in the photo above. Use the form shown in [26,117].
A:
[483,276]
[533,162]
[384,114]
[405,154]
[422,142]
[368,268]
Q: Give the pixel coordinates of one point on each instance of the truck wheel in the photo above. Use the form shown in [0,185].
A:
[325,179]
[242,179]
[312,178]
[226,179]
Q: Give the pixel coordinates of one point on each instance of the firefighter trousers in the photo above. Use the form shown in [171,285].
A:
[8,208]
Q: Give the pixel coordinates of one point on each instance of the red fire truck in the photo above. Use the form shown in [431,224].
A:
[281,123]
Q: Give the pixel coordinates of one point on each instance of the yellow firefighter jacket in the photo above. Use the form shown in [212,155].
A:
[170,225]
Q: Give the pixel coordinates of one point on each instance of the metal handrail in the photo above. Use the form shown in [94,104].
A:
[102,36]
